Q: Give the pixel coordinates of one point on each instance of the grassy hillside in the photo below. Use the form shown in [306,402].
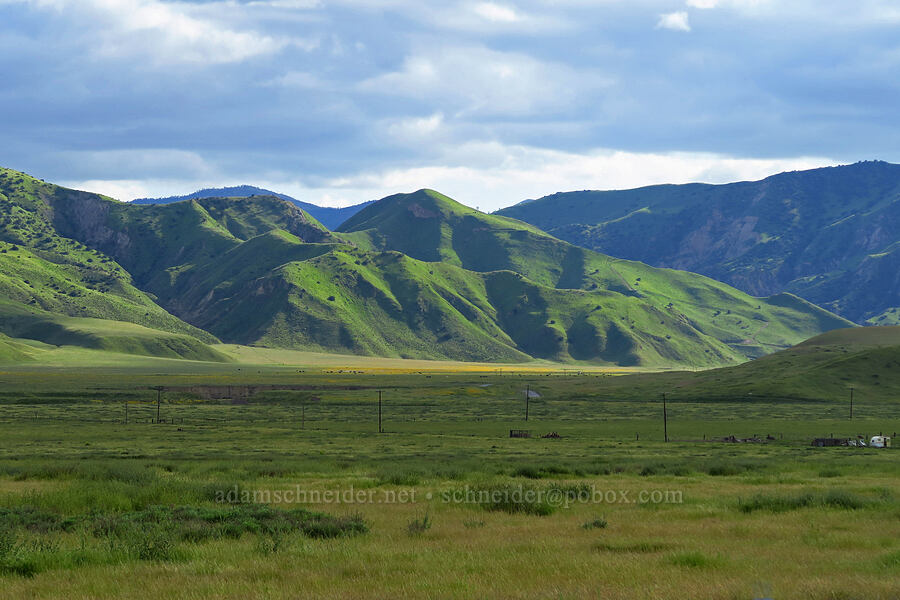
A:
[429,226]
[411,276]
[821,369]
[14,351]
[102,334]
[57,289]
[827,235]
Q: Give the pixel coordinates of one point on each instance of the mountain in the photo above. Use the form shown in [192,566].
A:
[330,217]
[413,275]
[830,236]
[630,300]
[58,290]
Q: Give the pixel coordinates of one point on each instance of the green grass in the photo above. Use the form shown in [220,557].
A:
[204,500]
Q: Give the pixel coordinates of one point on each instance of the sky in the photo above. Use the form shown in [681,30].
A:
[337,102]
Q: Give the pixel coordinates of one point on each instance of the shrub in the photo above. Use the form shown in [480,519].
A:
[598,523]
[635,548]
[513,499]
[419,526]
[406,478]
[694,560]
[529,472]
[155,544]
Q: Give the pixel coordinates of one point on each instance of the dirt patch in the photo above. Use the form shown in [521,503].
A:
[422,213]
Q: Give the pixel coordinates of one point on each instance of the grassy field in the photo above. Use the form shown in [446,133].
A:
[291,493]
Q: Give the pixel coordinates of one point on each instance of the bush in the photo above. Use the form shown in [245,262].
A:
[694,560]
[529,472]
[635,548]
[419,526]
[512,499]
[155,544]
[405,478]
[720,469]
[598,523]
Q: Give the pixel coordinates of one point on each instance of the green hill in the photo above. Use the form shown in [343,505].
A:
[49,281]
[14,351]
[824,367]
[414,275]
[831,236]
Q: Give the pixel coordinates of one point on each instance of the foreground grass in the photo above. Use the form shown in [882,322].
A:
[94,508]
[705,547]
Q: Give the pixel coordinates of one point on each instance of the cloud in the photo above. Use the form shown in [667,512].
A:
[479,81]
[165,31]
[676,21]
[496,12]
[146,163]
[321,94]
[415,130]
[492,176]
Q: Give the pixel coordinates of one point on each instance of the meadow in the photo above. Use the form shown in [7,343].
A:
[294,492]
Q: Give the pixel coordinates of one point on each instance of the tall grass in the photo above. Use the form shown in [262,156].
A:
[836,499]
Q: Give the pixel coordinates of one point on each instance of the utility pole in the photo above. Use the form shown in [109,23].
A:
[380,428]
[665,419]
[159,390]
[527,398]
[851,403]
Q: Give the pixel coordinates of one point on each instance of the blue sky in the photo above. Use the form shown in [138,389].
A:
[341,101]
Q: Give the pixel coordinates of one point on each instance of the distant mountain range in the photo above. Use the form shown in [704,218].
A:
[329,217]
[411,275]
[830,236]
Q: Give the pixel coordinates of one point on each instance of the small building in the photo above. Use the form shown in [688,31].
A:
[520,433]
[880,441]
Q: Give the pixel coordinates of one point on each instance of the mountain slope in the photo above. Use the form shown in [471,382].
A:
[824,367]
[429,226]
[58,290]
[470,286]
[328,216]
[831,236]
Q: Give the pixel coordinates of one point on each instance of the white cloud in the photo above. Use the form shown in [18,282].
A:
[496,12]
[477,80]
[288,4]
[492,176]
[164,30]
[120,189]
[702,3]
[677,21]
[415,130]
[489,175]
